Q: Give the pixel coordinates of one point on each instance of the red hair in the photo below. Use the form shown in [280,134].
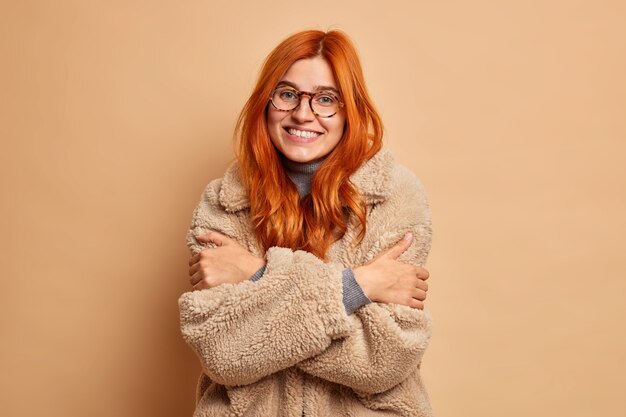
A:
[279,216]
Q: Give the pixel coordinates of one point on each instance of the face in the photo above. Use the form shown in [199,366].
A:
[299,134]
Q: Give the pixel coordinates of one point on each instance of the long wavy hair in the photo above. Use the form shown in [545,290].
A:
[279,216]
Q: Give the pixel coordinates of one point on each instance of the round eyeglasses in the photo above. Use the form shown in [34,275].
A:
[322,103]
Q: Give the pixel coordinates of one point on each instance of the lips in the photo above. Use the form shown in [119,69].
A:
[302,135]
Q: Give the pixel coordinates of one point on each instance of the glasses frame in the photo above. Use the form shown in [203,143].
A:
[311,97]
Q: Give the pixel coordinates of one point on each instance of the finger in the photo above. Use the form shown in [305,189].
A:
[194,268]
[196,278]
[422,285]
[194,259]
[419,294]
[402,245]
[197,258]
[212,237]
[202,285]
[422,273]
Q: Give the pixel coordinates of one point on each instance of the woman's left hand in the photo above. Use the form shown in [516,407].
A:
[228,262]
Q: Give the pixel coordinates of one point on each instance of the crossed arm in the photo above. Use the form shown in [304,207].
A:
[243,331]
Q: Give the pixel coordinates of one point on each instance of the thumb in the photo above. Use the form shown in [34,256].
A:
[402,245]
[213,237]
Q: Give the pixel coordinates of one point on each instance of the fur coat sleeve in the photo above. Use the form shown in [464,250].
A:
[244,332]
[386,342]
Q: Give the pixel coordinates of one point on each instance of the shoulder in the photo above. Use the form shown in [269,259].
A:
[382,179]
[404,208]
[211,191]
[405,199]
[396,201]
[218,209]
[228,192]
[405,185]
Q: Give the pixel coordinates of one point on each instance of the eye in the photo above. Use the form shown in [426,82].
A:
[287,94]
[326,99]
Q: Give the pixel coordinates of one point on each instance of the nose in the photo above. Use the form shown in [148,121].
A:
[303,112]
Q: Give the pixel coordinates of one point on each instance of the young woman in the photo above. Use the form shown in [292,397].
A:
[306,255]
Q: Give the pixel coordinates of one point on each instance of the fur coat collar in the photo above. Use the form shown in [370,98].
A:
[371,179]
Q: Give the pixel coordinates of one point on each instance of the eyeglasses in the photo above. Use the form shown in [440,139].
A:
[322,103]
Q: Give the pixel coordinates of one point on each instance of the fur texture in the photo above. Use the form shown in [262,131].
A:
[284,346]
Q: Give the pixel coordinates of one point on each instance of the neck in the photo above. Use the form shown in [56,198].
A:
[301,173]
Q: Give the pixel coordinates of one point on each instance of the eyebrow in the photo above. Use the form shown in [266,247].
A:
[317,88]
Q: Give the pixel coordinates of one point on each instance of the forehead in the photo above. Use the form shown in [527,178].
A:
[310,74]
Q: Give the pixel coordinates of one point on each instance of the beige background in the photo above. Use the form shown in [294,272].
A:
[115,114]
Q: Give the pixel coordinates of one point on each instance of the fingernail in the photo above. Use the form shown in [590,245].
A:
[408,236]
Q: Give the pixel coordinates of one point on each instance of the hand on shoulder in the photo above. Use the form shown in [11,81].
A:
[226,263]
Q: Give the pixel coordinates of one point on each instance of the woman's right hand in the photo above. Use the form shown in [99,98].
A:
[386,280]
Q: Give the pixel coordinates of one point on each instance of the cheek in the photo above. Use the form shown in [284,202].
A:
[336,127]
[274,119]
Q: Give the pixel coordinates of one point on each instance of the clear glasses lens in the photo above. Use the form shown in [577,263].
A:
[323,103]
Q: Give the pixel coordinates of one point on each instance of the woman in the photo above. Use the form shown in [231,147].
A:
[306,255]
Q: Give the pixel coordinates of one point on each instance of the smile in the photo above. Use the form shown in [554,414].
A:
[306,134]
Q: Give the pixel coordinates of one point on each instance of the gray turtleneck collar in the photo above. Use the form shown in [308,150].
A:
[301,173]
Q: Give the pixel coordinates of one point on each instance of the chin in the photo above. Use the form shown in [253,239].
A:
[302,158]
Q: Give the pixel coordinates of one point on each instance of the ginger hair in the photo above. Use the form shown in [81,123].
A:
[279,216]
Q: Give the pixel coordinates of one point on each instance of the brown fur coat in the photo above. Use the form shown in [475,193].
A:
[284,346]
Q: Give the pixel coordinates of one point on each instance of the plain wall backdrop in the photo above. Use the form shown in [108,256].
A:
[114,115]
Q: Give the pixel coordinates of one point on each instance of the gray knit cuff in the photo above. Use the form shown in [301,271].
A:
[353,295]
[258,274]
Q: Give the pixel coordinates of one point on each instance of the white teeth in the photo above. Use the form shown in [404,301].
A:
[303,133]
